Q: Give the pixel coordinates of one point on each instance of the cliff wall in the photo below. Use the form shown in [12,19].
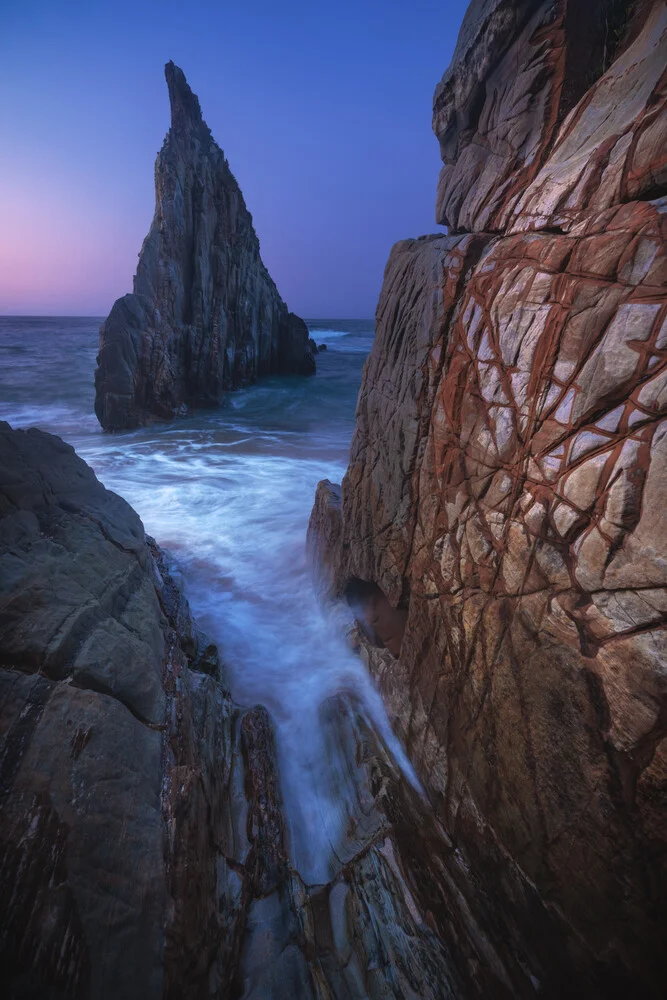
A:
[500,524]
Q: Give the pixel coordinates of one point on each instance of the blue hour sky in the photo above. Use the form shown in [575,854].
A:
[323,110]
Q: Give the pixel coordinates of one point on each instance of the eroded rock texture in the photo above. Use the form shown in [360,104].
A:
[204,316]
[144,852]
[528,133]
[505,489]
[130,783]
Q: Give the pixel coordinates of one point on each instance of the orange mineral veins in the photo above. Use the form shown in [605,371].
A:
[506,487]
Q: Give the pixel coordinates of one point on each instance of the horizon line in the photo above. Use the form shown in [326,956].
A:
[315,319]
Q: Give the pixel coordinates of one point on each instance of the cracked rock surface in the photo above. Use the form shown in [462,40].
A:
[120,750]
[550,108]
[204,316]
[144,850]
[505,489]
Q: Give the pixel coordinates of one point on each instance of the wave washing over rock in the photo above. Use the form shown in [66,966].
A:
[498,532]
[145,849]
[500,526]
[205,315]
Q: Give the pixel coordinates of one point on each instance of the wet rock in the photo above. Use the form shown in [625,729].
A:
[384,624]
[135,828]
[204,315]
[504,487]
[144,849]
[367,926]
[324,531]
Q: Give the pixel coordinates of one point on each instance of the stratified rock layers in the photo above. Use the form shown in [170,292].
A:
[143,846]
[505,488]
[116,738]
[205,315]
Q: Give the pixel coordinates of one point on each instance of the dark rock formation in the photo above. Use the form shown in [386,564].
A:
[324,534]
[123,833]
[143,849]
[505,489]
[370,925]
[205,315]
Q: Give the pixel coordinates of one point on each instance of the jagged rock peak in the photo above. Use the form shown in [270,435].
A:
[205,316]
[186,114]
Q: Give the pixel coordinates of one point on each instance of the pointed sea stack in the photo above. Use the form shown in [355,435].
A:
[205,315]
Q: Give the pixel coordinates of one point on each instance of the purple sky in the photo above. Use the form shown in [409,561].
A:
[323,110]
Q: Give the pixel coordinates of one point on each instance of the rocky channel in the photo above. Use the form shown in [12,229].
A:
[499,534]
[143,844]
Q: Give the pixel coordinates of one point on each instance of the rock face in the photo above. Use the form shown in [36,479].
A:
[123,757]
[205,315]
[520,68]
[143,847]
[504,491]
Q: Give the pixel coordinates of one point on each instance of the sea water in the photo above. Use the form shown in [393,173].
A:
[228,494]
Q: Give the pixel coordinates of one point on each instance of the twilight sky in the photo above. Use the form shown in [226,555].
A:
[323,110]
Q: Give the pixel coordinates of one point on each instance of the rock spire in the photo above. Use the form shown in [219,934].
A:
[205,315]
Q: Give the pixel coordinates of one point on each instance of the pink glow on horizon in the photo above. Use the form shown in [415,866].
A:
[57,248]
[323,110]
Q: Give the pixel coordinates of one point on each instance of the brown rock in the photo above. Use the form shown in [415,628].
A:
[504,488]
[324,530]
[613,146]
[496,108]
[516,151]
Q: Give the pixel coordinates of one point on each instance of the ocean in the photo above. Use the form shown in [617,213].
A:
[228,494]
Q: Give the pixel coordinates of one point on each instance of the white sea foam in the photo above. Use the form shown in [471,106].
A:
[236,526]
[229,494]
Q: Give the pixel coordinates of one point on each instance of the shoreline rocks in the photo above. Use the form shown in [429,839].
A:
[133,831]
[204,316]
[113,745]
[504,489]
[144,849]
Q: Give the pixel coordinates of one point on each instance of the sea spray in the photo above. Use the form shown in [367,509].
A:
[229,493]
